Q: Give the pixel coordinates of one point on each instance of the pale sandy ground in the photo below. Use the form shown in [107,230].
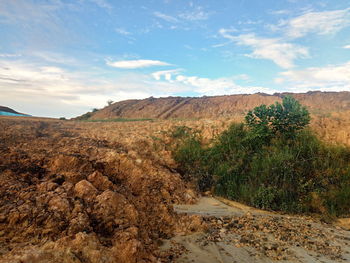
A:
[225,251]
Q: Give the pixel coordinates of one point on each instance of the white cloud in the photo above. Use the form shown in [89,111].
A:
[23,10]
[280,12]
[193,16]
[59,91]
[167,74]
[165,17]
[10,55]
[207,86]
[133,64]
[280,52]
[70,93]
[322,23]
[347,46]
[122,31]
[197,14]
[102,4]
[39,24]
[24,84]
[332,77]
[218,86]
[53,57]
[52,70]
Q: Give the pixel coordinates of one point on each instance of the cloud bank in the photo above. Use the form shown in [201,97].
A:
[280,52]
[332,78]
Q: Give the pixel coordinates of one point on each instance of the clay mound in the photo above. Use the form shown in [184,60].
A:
[217,106]
[69,195]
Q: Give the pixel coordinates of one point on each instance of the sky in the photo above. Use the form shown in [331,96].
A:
[62,58]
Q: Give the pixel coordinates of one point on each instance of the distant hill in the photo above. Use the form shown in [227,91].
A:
[217,106]
[6,111]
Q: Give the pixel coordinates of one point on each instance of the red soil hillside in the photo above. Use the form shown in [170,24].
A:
[218,106]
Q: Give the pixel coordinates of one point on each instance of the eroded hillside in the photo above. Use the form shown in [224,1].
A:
[319,103]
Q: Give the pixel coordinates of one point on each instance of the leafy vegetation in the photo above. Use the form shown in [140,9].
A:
[278,119]
[272,162]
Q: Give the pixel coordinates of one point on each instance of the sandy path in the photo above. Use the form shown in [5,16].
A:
[237,233]
[210,206]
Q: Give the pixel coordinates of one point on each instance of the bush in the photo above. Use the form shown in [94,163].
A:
[280,173]
[189,152]
[278,119]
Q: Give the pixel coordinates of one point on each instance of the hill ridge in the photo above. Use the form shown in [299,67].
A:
[318,102]
[7,109]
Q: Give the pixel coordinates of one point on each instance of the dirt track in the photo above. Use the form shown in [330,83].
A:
[238,233]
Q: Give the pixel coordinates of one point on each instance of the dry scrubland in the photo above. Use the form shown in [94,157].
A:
[100,192]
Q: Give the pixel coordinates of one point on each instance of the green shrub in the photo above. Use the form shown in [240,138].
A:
[278,119]
[278,173]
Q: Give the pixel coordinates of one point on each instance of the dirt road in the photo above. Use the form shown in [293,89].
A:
[237,233]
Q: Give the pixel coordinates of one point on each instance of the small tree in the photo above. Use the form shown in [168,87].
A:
[110,102]
[278,119]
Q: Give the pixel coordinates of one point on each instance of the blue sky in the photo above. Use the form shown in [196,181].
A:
[63,58]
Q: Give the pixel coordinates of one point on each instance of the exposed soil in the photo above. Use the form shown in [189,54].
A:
[74,192]
[330,111]
[238,233]
[319,103]
[106,192]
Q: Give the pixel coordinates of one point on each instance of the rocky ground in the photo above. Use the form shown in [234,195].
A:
[237,233]
[75,192]
[106,192]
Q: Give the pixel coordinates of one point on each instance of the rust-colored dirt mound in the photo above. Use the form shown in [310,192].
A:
[218,106]
[75,192]
[100,191]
